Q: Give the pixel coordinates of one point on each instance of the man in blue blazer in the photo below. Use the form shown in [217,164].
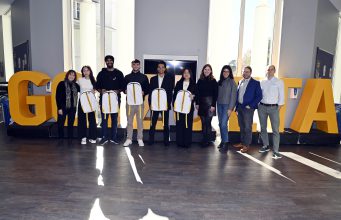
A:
[249,94]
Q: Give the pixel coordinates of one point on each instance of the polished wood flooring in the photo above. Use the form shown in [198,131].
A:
[52,179]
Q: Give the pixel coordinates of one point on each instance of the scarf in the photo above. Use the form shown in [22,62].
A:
[68,88]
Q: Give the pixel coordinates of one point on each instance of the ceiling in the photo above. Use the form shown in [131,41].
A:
[5,5]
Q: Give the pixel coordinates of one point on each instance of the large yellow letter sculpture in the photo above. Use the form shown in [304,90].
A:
[316,104]
[20,100]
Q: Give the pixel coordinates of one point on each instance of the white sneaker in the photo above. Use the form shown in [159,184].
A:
[127,143]
[92,141]
[140,141]
[83,141]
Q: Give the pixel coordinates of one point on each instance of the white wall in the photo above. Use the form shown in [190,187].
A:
[177,27]
[297,45]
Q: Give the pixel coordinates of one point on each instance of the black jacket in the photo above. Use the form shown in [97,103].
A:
[61,95]
[137,77]
[167,84]
[207,88]
[191,88]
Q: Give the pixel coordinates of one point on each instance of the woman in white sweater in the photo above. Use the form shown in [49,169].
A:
[87,84]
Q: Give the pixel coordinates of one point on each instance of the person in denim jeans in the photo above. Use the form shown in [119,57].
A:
[227,95]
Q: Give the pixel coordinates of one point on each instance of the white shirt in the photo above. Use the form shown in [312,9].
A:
[273,91]
[185,85]
[242,88]
[160,80]
[84,84]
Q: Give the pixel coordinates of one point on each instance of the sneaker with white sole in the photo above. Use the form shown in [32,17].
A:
[92,141]
[103,141]
[127,143]
[276,155]
[264,149]
[140,142]
[83,141]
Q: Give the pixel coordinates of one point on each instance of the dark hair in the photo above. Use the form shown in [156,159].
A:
[248,67]
[68,73]
[202,75]
[190,73]
[221,79]
[109,57]
[162,63]
[136,61]
[92,78]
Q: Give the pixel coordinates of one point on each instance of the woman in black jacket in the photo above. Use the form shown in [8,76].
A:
[66,98]
[184,122]
[206,100]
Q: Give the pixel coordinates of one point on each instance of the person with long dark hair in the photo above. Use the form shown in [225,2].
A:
[87,83]
[184,122]
[66,98]
[226,101]
[206,100]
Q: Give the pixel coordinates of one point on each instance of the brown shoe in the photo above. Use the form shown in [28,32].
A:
[244,149]
[240,145]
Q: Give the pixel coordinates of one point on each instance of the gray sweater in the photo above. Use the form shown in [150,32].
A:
[227,93]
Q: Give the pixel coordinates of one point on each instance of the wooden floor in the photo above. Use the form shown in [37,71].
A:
[51,179]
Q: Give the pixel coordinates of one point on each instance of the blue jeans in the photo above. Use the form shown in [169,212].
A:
[223,119]
[104,124]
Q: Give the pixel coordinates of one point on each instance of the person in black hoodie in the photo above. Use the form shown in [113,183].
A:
[108,79]
[66,98]
[166,81]
[206,100]
[132,110]
[183,127]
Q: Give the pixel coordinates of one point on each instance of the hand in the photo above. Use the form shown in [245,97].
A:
[117,91]
[279,107]
[248,107]
[60,112]
[229,112]
[191,97]
[93,91]
[103,91]
[212,109]
[197,107]
[142,92]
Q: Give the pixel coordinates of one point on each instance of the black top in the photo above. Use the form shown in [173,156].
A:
[110,80]
[61,95]
[191,88]
[137,77]
[167,84]
[207,88]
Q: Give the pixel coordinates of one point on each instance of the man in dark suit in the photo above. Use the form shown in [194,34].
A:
[166,81]
[249,94]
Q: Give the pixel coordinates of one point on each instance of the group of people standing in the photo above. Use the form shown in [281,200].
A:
[207,95]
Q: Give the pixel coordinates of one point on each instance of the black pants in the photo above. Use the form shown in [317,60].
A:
[82,128]
[165,127]
[183,134]
[206,128]
[70,113]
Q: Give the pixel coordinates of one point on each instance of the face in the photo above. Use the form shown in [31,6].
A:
[271,71]
[71,76]
[207,71]
[161,69]
[109,63]
[246,73]
[135,66]
[226,73]
[186,74]
[86,72]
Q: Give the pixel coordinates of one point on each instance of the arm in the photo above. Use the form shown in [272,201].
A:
[233,98]
[59,96]
[281,100]
[215,93]
[258,95]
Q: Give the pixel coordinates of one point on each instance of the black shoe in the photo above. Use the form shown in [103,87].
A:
[103,141]
[221,145]
[114,141]
[226,145]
